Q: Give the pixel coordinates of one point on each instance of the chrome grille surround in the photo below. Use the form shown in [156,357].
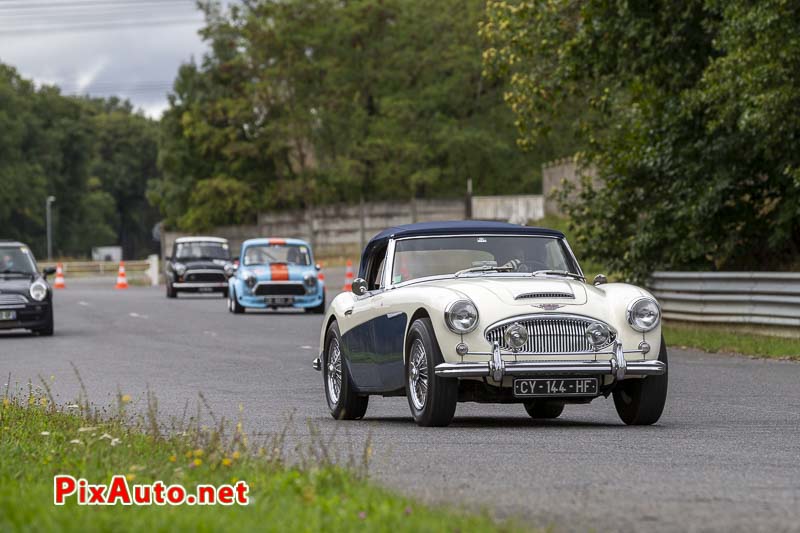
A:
[550,333]
[12,299]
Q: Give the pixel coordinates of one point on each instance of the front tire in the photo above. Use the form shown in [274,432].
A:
[318,310]
[171,292]
[432,399]
[233,304]
[47,330]
[343,401]
[640,402]
[542,409]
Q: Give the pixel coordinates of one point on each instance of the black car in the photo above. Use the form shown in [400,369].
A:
[26,299]
[199,264]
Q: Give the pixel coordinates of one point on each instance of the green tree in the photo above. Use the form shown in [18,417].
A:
[327,101]
[687,109]
[94,156]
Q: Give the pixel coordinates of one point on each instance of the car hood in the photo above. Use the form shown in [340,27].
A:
[203,264]
[280,272]
[15,285]
[517,291]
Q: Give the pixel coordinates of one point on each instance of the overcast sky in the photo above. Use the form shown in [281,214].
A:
[130,48]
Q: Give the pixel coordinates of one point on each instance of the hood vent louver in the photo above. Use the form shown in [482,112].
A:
[531,295]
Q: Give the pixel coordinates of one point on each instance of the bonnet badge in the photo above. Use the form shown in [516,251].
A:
[549,307]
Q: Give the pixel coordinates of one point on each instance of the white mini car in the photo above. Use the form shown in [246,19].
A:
[444,312]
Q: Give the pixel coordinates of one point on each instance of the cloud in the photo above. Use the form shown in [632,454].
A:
[88,76]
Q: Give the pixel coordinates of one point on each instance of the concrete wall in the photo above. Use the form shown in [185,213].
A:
[558,173]
[515,209]
[336,230]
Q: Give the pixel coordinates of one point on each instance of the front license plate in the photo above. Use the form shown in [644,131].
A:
[206,289]
[556,387]
[279,300]
[8,315]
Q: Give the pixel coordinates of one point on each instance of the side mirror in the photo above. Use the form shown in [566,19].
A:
[600,279]
[230,269]
[48,271]
[318,267]
[359,286]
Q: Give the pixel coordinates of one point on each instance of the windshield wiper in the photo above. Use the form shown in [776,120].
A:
[564,273]
[485,268]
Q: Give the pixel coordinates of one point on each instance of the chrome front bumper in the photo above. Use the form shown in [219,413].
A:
[200,285]
[497,368]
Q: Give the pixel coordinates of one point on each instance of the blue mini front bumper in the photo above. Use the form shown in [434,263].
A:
[249,300]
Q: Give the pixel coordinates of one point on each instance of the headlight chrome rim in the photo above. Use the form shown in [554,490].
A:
[249,279]
[180,269]
[40,289]
[516,336]
[310,280]
[450,316]
[631,314]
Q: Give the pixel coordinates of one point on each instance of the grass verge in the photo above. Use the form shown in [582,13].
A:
[711,338]
[316,492]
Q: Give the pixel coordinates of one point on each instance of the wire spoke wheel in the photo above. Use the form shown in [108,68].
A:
[418,374]
[334,371]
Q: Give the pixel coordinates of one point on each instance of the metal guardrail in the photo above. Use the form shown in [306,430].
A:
[757,298]
[147,269]
[99,268]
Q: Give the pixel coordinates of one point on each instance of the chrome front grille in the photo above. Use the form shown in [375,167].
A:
[12,299]
[205,276]
[550,334]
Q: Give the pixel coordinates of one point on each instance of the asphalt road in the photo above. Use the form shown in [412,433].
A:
[724,457]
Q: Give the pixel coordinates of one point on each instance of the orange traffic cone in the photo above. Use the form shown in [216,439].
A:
[348,277]
[122,281]
[59,282]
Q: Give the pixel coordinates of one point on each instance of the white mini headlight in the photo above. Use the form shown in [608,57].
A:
[643,314]
[249,279]
[310,280]
[38,291]
[180,269]
[461,316]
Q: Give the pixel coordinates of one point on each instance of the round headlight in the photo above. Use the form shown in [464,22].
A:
[229,269]
[644,314]
[250,279]
[310,280]
[461,316]
[597,334]
[180,269]
[38,291]
[515,337]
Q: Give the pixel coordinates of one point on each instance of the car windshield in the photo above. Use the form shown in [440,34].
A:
[202,250]
[262,254]
[16,260]
[436,256]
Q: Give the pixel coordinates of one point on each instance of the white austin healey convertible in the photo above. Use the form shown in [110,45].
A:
[488,312]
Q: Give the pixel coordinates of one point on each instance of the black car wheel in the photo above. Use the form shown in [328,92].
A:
[343,401]
[318,310]
[543,409]
[432,399]
[640,402]
[233,304]
[171,292]
[47,330]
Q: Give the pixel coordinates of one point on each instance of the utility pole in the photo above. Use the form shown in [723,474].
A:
[468,200]
[49,217]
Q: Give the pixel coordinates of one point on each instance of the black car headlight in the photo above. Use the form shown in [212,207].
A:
[310,281]
[461,316]
[643,314]
[38,290]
